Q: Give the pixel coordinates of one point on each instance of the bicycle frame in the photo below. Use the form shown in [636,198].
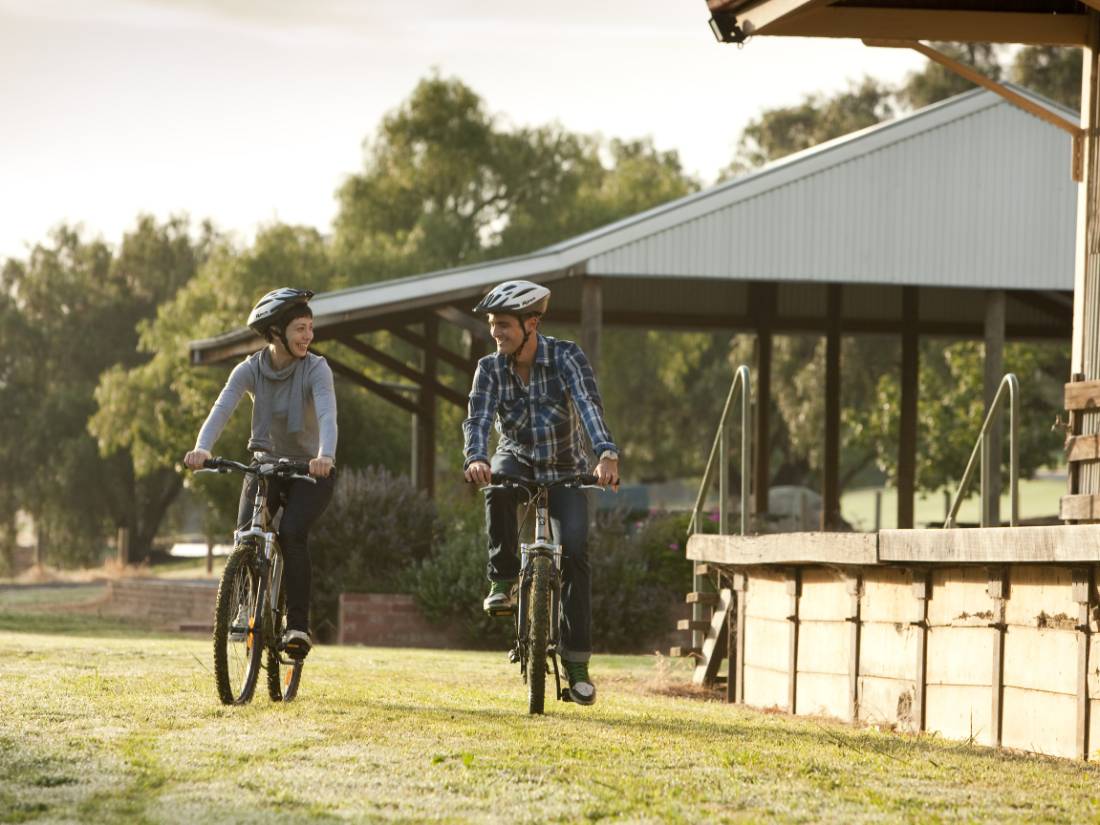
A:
[271,558]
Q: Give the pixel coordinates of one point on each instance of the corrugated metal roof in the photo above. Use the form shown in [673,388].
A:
[970,192]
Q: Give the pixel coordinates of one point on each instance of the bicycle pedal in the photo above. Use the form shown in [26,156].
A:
[565,696]
[498,612]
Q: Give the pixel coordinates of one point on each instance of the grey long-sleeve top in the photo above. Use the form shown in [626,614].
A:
[317,436]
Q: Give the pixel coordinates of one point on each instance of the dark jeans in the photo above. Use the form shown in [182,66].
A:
[304,504]
[569,522]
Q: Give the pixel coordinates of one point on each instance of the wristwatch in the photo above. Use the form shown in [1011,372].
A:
[611,455]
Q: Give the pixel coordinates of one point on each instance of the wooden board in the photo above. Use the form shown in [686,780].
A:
[959,597]
[785,548]
[887,702]
[1043,660]
[960,656]
[889,650]
[825,595]
[888,595]
[1057,543]
[765,688]
[1041,596]
[767,644]
[1094,731]
[766,595]
[1081,507]
[958,712]
[823,647]
[1083,447]
[822,694]
[1083,395]
[1094,669]
[1040,722]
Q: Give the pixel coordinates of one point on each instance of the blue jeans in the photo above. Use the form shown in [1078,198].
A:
[569,523]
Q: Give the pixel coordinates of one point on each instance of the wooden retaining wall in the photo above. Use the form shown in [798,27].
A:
[996,642]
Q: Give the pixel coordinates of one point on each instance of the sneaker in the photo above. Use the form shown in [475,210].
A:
[238,630]
[499,601]
[581,689]
[296,644]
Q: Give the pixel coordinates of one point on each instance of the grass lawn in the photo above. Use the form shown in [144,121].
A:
[104,724]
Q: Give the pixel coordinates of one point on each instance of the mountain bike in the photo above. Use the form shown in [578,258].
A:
[250,614]
[538,606]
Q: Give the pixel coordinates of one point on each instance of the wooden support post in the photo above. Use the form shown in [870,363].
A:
[1085,357]
[1083,595]
[994,371]
[907,436]
[763,299]
[997,590]
[731,642]
[122,545]
[740,585]
[591,320]
[794,590]
[922,592]
[855,591]
[830,487]
[209,555]
[425,416]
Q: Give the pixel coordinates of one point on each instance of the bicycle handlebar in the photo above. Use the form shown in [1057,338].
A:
[585,481]
[282,468]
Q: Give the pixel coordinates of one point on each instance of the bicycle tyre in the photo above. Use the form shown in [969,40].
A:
[235,675]
[538,632]
[281,688]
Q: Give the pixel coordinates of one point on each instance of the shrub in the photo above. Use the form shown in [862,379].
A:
[376,527]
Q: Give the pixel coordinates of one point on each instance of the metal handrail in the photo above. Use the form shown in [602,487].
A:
[983,448]
[740,379]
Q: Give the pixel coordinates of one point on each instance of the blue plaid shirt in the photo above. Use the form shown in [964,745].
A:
[538,422]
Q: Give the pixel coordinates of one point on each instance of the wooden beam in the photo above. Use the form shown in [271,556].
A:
[1083,448]
[442,353]
[928,24]
[763,299]
[1080,507]
[997,587]
[922,592]
[979,79]
[784,548]
[1083,396]
[855,591]
[426,413]
[907,435]
[463,320]
[794,593]
[737,668]
[369,384]
[993,372]
[1082,594]
[591,319]
[830,487]
[401,368]
[992,545]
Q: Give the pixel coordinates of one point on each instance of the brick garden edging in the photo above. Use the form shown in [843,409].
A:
[390,620]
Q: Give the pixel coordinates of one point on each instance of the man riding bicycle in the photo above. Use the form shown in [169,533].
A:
[294,418]
[542,393]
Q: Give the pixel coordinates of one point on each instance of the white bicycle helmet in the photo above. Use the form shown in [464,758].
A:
[515,298]
[275,303]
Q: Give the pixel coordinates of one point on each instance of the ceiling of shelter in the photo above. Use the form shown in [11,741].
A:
[1035,22]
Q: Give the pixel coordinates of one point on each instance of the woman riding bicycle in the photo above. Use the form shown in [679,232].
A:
[293,417]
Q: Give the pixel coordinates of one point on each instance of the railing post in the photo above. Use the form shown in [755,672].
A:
[724,478]
[983,475]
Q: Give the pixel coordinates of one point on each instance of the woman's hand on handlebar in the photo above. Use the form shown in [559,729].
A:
[320,467]
[479,472]
[195,458]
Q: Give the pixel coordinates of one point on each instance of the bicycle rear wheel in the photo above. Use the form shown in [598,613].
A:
[238,629]
[282,684]
[538,631]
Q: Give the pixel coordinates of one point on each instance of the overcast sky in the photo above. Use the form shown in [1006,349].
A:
[249,111]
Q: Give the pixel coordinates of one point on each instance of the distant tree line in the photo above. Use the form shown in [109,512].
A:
[100,401]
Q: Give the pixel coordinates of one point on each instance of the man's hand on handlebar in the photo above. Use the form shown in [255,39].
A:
[320,467]
[479,472]
[607,473]
[194,459]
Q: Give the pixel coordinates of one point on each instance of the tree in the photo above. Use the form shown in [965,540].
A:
[817,118]
[77,305]
[1051,71]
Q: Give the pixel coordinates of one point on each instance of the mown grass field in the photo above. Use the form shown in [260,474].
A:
[101,723]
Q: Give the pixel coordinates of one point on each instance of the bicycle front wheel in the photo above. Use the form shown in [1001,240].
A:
[238,629]
[538,631]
